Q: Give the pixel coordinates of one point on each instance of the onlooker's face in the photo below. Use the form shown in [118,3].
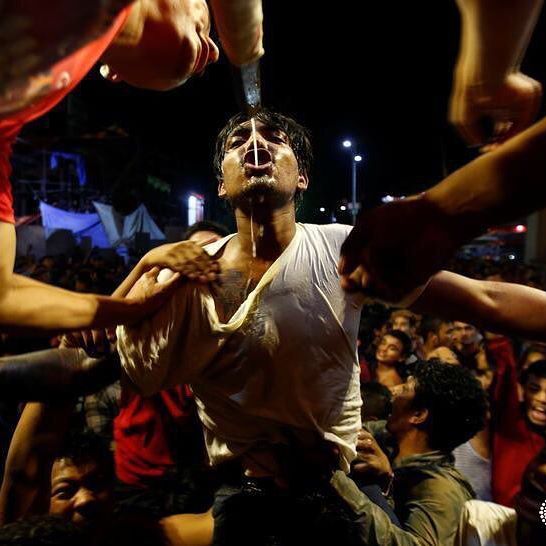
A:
[402,407]
[390,350]
[534,396]
[483,372]
[80,492]
[272,181]
[445,354]
[445,334]
[403,324]
[201,237]
[48,263]
[81,286]
[464,335]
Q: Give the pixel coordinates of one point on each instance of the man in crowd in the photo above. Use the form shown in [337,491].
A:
[465,338]
[435,333]
[438,408]
[518,427]
[280,323]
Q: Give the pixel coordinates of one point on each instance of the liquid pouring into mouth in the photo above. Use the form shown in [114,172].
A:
[254,140]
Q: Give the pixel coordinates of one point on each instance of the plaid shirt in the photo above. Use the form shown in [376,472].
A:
[101,409]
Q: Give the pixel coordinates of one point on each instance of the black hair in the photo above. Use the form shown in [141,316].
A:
[206,225]
[85,446]
[537,368]
[43,531]
[298,137]
[429,325]
[455,401]
[404,339]
[376,401]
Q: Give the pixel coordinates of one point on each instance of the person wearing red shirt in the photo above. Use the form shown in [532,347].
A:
[156,44]
[518,427]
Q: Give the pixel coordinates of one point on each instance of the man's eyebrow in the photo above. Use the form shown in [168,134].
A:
[238,131]
[63,479]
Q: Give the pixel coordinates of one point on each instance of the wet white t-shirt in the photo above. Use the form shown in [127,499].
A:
[285,364]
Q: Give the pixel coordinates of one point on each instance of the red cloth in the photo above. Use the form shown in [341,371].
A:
[514,443]
[54,86]
[142,431]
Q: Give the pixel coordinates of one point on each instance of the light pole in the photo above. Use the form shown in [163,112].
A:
[347,144]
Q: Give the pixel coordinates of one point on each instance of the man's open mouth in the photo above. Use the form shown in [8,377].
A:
[257,162]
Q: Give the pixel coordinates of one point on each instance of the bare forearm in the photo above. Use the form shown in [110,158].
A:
[497,187]
[31,305]
[55,374]
[494,37]
[505,308]
[123,289]
[38,436]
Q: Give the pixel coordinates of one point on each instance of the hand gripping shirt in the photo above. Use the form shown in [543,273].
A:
[285,363]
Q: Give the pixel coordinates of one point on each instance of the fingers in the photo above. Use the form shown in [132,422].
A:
[168,284]
[365,443]
[71,340]
[100,341]
[191,261]
[94,342]
[356,280]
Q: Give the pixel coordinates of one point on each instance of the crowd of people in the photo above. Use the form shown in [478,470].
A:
[110,454]
[251,394]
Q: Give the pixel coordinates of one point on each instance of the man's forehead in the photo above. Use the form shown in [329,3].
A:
[537,380]
[65,468]
[260,126]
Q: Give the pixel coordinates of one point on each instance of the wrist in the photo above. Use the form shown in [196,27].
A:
[386,483]
[453,221]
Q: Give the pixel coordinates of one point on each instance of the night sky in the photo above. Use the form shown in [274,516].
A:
[379,74]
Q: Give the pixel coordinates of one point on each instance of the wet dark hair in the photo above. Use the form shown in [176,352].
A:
[455,401]
[298,138]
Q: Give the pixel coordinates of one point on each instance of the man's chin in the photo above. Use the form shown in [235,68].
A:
[259,192]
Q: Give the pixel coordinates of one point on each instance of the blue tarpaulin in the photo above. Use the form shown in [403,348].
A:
[106,227]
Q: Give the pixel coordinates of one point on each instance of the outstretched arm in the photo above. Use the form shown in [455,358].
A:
[502,307]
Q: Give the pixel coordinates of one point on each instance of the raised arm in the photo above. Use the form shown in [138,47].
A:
[487,83]
[55,374]
[26,485]
[501,307]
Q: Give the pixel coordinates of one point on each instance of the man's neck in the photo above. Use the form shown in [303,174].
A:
[265,235]
[414,442]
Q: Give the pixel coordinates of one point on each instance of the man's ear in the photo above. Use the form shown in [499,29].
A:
[221,188]
[419,417]
[303,182]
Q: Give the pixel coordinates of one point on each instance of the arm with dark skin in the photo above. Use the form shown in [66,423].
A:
[27,476]
[500,307]
[55,374]
[398,246]
[29,305]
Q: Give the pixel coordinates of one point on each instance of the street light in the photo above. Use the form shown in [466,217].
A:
[356,158]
